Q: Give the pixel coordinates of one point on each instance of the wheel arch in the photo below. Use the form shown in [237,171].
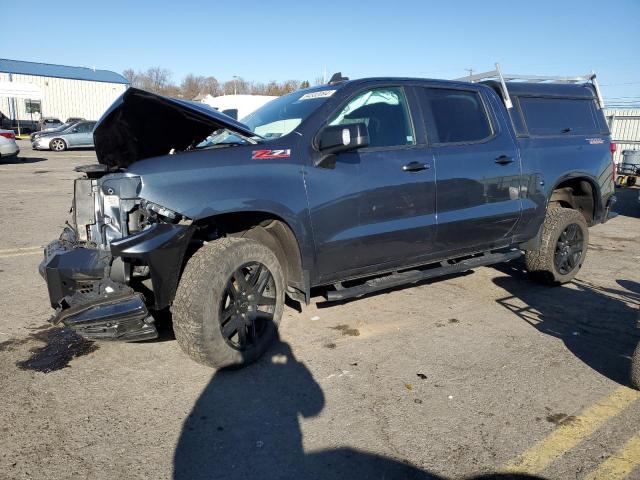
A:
[579,193]
[269,229]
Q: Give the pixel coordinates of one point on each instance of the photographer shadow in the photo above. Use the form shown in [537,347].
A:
[246,425]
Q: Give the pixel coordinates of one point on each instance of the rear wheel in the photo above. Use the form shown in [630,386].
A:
[563,247]
[229,302]
[58,145]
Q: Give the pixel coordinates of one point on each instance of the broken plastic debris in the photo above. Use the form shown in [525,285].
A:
[108,289]
[422,376]
[450,397]
[315,318]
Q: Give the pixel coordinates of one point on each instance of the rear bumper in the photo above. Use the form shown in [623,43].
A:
[9,150]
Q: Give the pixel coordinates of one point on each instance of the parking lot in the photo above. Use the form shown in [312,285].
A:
[460,377]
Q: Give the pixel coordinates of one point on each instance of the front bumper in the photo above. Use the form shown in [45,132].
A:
[99,307]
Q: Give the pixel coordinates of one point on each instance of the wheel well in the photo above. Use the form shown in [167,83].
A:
[268,229]
[578,194]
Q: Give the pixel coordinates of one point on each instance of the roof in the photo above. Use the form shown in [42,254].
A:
[575,90]
[60,71]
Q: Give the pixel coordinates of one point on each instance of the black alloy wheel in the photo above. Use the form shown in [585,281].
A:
[247,306]
[569,249]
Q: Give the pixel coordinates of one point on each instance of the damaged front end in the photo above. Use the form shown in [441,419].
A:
[119,258]
[121,255]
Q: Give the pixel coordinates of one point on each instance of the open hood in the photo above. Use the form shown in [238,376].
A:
[142,124]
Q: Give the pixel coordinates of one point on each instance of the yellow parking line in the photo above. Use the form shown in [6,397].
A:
[20,252]
[620,464]
[571,433]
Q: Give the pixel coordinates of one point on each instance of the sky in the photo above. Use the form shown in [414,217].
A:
[287,39]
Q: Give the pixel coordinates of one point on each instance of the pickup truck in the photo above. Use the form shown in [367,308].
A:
[355,186]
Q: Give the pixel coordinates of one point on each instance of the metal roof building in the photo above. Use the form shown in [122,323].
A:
[66,91]
[624,124]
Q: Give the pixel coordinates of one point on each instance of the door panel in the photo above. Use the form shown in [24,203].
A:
[377,206]
[368,211]
[478,170]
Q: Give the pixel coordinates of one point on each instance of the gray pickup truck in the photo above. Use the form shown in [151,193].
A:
[355,186]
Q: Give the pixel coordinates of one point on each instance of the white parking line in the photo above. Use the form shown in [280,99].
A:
[20,252]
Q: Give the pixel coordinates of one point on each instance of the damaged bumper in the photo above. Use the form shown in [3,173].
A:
[86,288]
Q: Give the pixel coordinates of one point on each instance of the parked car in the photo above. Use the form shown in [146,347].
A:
[46,123]
[355,186]
[8,145]
[51,131]
[74,136]
[75,119]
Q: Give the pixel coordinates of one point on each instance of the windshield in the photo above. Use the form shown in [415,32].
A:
[276,118]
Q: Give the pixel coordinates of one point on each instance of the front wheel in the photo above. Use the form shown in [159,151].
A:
[58,145]
[563,247]
[229,302]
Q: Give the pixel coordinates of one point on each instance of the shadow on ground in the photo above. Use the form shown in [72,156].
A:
[20,160]
[246,425]
[598,325]
[627,204]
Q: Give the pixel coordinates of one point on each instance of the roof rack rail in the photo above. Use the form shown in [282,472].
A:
[503,78]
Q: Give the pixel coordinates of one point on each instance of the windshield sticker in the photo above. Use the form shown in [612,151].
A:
[320,94]
[595,141]
[270,154]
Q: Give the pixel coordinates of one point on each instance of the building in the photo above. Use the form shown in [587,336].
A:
[236,106]
[624,124]
[65,91]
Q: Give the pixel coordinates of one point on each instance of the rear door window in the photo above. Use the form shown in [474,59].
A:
[454,116]
[559,116]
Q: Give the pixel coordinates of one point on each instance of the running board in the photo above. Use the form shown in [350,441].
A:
[413,276]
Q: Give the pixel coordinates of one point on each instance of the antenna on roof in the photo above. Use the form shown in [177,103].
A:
[337,78]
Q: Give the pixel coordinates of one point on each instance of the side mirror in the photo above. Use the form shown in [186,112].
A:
[335,139]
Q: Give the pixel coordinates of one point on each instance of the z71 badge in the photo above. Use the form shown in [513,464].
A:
[269,154]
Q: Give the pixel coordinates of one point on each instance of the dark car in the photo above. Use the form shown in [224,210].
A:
[75,119]
[355,186]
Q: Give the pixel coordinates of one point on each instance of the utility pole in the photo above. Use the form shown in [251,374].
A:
[235,85]
[470,70]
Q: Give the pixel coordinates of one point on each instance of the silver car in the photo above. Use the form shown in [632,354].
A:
[75,136]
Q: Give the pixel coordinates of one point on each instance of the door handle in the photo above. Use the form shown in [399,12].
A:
[504,160]
[414,167]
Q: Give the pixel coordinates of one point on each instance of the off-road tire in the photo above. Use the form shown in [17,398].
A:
[58,145]
[540,263]
[200,292]
[635,368]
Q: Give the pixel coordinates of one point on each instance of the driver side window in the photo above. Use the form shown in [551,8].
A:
[384,111]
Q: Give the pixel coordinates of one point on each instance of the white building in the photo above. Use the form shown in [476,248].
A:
[624,124]
[236,106]
[66,91]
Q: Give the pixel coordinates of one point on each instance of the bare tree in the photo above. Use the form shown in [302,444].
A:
[157,79]
[132,76]
[212,86]
[192,86]
[237,85]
